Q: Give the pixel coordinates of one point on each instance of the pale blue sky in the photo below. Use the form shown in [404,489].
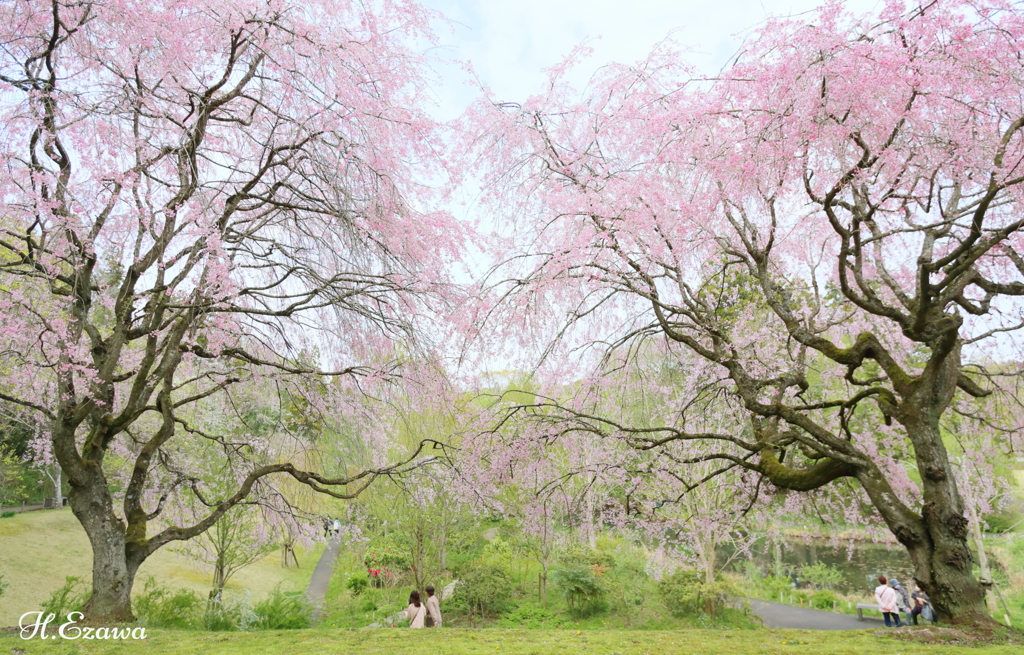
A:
[510,42]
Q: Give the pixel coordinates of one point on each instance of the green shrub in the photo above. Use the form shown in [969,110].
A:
[281,611]
[7,515]
[681,593]
[497,553]
[626,587]
[775,587]
[356,584]
[822,575]
[823,599]
[580,587]
[532,616]
[368,605]
[160,607]
[384,561]
[684,593]
[579,555]
[228,613]
[69,598]
[1002,522]
[485,590]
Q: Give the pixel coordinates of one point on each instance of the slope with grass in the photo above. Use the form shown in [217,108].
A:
[38,549]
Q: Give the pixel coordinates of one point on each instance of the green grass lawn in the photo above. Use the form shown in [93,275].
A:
[38,549]
[526,642]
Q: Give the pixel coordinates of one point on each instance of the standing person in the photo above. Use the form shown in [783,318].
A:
[902,601]
[337,527]
[886,597]
[327,528]
[417,611]
[433,608]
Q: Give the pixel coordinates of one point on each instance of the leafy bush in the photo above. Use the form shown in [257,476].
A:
[160,607]
[681,593]
[775,587]
[182,609]
[356,584]
[823,599]
[1004,521]
[281,611]
[369,605]
[684,593]
[485,589]
[627,586]
[580,555]
[530,615]
[822,575]
[384,561]
[228,613]
[13,477]
[7,515]
[799,597]
[69,598]
[580,587]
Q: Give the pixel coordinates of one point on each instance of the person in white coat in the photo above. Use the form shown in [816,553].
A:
[886,597]
[417,611]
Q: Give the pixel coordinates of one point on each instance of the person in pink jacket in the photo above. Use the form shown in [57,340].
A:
[416,612]
[886,597]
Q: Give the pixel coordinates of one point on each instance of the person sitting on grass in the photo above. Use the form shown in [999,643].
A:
[417,611]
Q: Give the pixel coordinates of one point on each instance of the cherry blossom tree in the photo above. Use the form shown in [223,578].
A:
[828,234]
[200,198]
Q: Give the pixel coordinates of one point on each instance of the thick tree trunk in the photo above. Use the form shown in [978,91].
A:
[936,540]
[942,559]
[956,594]
[113,568]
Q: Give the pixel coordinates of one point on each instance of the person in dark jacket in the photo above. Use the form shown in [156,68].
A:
[921,606]
[902,600]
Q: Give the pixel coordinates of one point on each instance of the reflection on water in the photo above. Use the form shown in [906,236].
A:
[861,563]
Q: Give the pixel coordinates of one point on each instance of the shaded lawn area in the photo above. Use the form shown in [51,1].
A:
[526,642]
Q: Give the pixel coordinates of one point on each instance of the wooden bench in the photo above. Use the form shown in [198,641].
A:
[866,606]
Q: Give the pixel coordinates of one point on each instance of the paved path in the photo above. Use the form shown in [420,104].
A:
[777,615]
[321,578]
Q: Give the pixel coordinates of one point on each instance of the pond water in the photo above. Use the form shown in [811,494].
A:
[861,563]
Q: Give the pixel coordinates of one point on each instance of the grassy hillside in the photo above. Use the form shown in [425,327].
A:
[38,549]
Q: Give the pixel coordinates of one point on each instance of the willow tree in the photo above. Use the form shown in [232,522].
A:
[829,231]
[198,197]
